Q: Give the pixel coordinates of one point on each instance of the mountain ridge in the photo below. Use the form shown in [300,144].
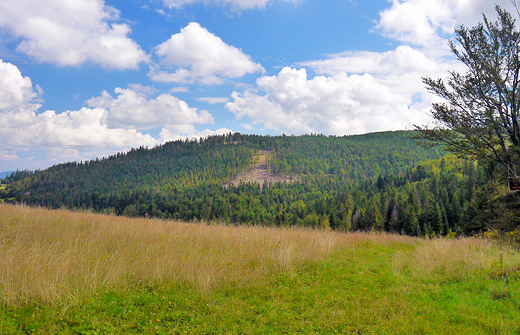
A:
[359,182]
[5,174]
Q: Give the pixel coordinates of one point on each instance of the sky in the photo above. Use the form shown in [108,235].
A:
[81,79]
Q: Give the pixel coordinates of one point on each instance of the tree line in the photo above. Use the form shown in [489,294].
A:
[380,181]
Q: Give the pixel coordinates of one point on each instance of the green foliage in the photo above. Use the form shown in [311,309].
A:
[479,118]
[365,182]
[15,176]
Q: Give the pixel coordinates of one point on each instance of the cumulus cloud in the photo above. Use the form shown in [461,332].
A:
[83,128]
[196,55]
[21,126]
[364,91]
[236,4]
[426,23]
[107,122]
[16,91]
[71,32]
[354,92]
[338,104]
[403,59]
[400,69]
[133,109]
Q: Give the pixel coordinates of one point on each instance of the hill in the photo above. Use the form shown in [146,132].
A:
[381,181]
[5,174]
[65,272]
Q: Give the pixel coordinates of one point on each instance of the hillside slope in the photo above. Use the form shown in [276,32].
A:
[335,182]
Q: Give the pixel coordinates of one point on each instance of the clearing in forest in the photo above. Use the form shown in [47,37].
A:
[260,171]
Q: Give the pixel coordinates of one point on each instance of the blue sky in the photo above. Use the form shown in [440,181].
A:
[81,79]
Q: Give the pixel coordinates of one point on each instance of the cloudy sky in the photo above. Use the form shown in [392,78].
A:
[81,79]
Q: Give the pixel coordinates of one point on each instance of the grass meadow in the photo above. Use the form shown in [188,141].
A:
[65,272]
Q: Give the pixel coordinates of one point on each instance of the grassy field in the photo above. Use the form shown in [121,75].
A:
[80,273]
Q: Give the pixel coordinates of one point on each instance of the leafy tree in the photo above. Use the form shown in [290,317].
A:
[479,118]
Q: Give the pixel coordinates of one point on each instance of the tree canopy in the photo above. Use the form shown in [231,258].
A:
[479,115]
[380,181]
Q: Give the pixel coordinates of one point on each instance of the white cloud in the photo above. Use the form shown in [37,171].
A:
[179,89]
[16,91]
[236,4]
[21,126]
[362,91]
[213,100]
[338,104]
[4,155]
[109,123]
[71,32]
[60,154]
[133,110]
[400,69]
[401,60]
[196,55]
[83,128]
[427,22]
[147,90]
[174,133]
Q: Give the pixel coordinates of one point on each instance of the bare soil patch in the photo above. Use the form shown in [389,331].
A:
[260,172]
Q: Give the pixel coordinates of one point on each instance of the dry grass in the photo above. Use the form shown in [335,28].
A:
[219,279]
[48,256]
[459,259]
[56,256]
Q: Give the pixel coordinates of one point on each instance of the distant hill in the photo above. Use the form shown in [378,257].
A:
[12,176]
[378,181]
[5,174]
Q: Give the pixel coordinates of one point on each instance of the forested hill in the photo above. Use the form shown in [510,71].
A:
[379,180]
[5,174]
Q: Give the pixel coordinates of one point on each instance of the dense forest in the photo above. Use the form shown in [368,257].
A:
[379,181]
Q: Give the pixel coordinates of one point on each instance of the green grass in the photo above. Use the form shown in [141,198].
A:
[368,284]
[354,291]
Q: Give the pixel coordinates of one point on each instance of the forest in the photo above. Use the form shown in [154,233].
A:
[373,182]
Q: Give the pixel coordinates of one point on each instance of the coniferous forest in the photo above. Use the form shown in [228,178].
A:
[380,181]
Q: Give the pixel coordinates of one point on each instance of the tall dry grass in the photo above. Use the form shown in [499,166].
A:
[55,256]
[48,256]
[459,259]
